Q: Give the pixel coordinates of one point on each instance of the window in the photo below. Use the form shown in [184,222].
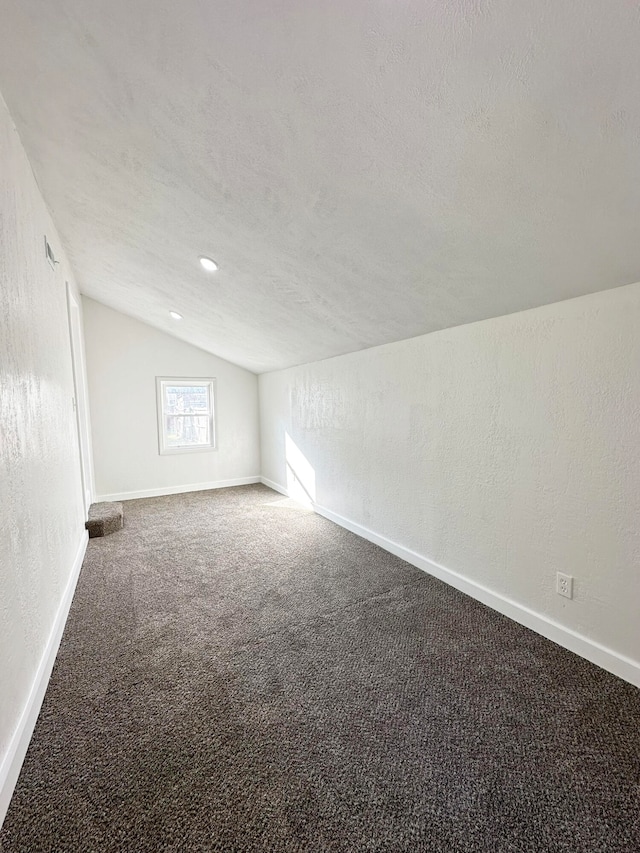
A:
[186,410]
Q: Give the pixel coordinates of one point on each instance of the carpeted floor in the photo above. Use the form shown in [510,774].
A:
[238,674]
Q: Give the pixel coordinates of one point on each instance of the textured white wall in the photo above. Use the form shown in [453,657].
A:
[505,450]
[41,510]
[124,357]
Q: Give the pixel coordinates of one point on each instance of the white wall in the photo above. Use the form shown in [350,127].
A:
[502,451]
[42,534]
[124,357]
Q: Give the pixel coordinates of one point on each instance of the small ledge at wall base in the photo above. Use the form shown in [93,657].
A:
[178,490]
[623,667]
[19,743]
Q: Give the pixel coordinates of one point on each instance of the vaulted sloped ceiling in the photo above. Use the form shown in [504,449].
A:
[362,171]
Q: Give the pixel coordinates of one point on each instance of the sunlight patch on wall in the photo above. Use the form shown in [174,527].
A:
[301,477]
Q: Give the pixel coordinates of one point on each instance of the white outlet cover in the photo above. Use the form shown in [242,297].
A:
[564,585]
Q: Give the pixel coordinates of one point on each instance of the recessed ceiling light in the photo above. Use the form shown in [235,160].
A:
[175,315]
[208,264]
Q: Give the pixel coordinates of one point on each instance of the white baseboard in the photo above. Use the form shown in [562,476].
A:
[177,490]
[620,665]
[13,758]
[275,486]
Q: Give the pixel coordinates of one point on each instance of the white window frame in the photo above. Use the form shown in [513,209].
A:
[161,382]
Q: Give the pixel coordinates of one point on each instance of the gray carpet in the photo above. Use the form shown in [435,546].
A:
[240,675]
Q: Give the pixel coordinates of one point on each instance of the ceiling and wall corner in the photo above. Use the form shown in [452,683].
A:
[362,172]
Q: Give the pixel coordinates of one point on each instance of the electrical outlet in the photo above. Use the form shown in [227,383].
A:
[564,585]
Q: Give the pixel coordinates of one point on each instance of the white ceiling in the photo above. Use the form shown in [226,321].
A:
[363,171]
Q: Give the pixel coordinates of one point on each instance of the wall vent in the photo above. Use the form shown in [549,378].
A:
[49,253]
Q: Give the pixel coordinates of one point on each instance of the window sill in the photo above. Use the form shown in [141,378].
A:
[173,451]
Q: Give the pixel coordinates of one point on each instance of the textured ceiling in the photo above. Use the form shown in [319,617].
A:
[362,171]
